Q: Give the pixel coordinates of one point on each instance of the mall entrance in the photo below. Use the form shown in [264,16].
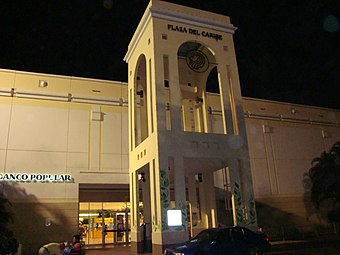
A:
[104,214]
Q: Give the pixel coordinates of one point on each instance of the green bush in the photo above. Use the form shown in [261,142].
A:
[8,243]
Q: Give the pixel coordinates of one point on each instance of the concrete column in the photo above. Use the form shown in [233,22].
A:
[95,139]
[237,201]
[208,180]
[225,100]
[205,114]
[243,201]
[247,192]
[194,208]
[161,190]
[135,222]
[203,204]
[145,185]
[179,234]
[179,182]
[150,96]
[175,94]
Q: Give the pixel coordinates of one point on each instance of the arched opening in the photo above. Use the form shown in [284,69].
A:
[212,82]
[197,70]
[140,102]
[215,118]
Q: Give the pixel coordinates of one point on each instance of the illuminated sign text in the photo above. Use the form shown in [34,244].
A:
[194,32]
[24,177]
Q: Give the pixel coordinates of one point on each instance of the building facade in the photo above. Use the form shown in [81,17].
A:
[110,159]
[175,53]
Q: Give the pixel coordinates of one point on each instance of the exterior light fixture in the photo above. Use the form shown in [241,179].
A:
[199,100]
[48,222]
[43,84]
[199,177]
[141,177]
[140,93]
[174,218]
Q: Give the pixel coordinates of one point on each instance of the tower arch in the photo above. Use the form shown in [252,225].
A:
[196,61]
[140,101]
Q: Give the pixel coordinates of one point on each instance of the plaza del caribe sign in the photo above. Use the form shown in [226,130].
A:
[192,31]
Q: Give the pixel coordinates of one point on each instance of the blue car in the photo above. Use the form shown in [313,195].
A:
[223,241]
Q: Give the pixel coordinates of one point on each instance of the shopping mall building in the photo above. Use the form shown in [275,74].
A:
[153,161]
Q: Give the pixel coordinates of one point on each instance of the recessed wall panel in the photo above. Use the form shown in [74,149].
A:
[296,142]
[290,175]
[111,131]
[77,160]
[5,110]
[261,179]
[36,162]
[256,136]
[125,132]
[78,129]
[111,162]
[2,160]
[39,126]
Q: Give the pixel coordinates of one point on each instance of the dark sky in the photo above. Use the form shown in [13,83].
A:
[287,50]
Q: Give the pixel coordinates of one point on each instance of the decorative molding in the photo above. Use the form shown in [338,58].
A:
[192,20]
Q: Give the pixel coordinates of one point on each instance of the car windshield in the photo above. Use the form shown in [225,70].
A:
[205,236]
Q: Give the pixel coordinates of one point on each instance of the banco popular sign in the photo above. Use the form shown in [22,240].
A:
[44,178]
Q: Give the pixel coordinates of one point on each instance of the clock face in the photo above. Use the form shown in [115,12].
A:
[197,61]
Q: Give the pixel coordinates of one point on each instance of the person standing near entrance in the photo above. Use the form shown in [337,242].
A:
[51,249]
[76,245]
[73,248]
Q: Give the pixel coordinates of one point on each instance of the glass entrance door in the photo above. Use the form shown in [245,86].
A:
[102,223]
[122,227]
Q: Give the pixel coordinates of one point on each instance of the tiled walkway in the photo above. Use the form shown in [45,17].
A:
[116,250]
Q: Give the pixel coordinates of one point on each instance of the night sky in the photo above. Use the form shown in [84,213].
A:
[287,50]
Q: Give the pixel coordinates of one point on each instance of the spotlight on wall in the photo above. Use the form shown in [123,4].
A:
[43,84]
[141,177]
[140,93]
[199,177]
[199,100]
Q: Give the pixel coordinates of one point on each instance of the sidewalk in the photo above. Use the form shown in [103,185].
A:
[111,250]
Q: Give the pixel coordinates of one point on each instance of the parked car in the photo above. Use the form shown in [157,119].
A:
[223,241]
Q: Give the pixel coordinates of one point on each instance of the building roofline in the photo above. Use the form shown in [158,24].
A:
[62,76]
[289,104]
[183,14]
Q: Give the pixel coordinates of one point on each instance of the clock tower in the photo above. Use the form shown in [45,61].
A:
[188,153]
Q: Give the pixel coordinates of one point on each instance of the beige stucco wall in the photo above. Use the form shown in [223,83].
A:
[283,140]
[80,127]
[282,144]
[73,126]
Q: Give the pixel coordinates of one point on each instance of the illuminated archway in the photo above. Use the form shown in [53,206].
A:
[196,63]
[140,101]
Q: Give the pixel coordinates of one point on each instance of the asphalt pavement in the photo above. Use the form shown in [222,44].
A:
[322,245]
[313,246]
